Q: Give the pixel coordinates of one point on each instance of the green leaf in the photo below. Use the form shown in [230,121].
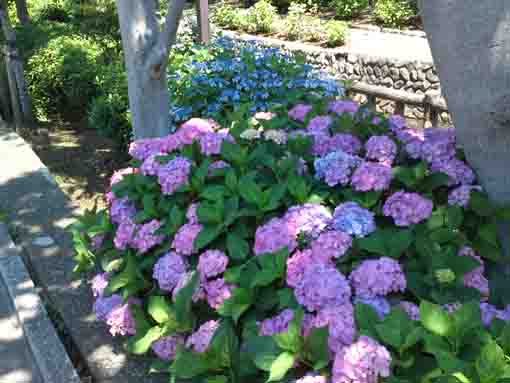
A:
[125,277]
[461,265]
[214,192]
[435,319]
[184,301]
[207,235]
[489,233]
[233,153]
[467,319]
[263,350]
[366,319]
[282,364]
[395,327]
[298,188]
[188,364]
[250,191]
[411,176]
[272,268]
[491,364]
[448,362]
[209,213]
[273,197]
[237,247]
[454,216]
[504,338]
[434,181]
[434,343]
[237,304]
[413,338]
[159,309]
[224,345]
[387,242]
[487,250]
[291,340]
[316,347]
[480,204]
[231,180]
[287,299]
[139,345]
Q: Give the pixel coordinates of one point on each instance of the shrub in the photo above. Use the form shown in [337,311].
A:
[261,17]
[229,75]
[394,13]
[347,9]
[64,72]
[227,16]
[336,32]
[319,238]
[295,21]
[54,10]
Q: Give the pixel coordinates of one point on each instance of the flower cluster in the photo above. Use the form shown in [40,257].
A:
[407,208]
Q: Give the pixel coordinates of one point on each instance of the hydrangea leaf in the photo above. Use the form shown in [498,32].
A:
[188,364]
[435,319]
[128,275]
[250,191]
[237,304]
[214,192]
[291,340]
[208,234]
[387,242]
[491,365]
[160,309]
[467,319]
[316,347]
[480,204]
[184,300]
[139,345]
[263,350]
[281,365]
[366,319]
[238,248]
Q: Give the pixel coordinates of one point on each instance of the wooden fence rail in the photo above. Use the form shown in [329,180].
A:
[432,103]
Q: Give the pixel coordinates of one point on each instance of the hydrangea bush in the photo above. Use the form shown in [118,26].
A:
[317,243]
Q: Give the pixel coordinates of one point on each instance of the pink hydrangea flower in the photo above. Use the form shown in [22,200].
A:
[321,144]
[274,236]
[174,175]
[372,176]
[165,348]
[407,208]
[381,149]
[438,143]
[120,174]
[277,324]
[121,321]
[212,263]
[217,292]
[310,218]
[99,284]
[397,123]
[322,286]
[264,116]
[341,325]
[341,107]
[335,168]
[299,112]
[146,237]
[194,129]
[169,270]
[200,340]
[184,240]
[362,362]
[378,277]
[330,245]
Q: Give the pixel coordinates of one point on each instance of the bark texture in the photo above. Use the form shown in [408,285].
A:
[470,43]
[146,47]
[22,11]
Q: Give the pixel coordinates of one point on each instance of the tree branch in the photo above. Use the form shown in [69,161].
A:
[158,59]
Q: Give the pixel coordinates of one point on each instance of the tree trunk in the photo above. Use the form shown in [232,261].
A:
[5,103]
[13,91]
[146,49]
[470,42]
[22,11]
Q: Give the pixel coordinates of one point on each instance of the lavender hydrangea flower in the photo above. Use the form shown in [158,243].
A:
[297,264]
[210,143]
[372,176]
[169,270]
[217,292]
[277,324]
[142,149]
[362,362]
[151,165]
[311,378]
[199,341]
[411,309]
[336,167]
[321,143]
[322,286]
[331,244]
[174,175]
[121,209]
[378,277]
[184,239]
[274,236]
[319,124]
[121,321]
[407,208]
[165,348]
[97,241]
[461,195]
[341,325]
[381,149]
[124,234]
[341,107]
[309,218]
[299,112]
[397,123]
[191,214]
[99,284]
[475,278]
[145,238]
[379,304]
[490,312]
[458,171]
[344,142]
[104,305]
[352,219]
[438,143]
[212,263]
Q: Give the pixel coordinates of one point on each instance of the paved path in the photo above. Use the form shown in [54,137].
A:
[17,364]
[391,45]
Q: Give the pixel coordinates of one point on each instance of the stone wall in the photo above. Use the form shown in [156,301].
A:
[414,77]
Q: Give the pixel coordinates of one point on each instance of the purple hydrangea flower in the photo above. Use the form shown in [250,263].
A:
[381,149]
[119,175]
[341,107]
[104,305]
[297,264]
[490,312]
[199,341]
[210,143]
[322,286]
[344,142]
[97,241]
[277,324]
[121,321]
[145,237]
[397,123]
[321,143]
[274,236]
[151,165]
[169,270]
[341,324]
[184,240]
[319,124]
[99,284]
[124,234]
[217,165]
[217,292]
[407,208]
[379,304]
[458,171]
[461,195]
[411,309]
[331,244]
[142,149]
[378,277]
[121,210]
[191,214]
[194,129]
[336,167]
[299,112]
[212,263]
[362,362]
[165,348]
[475,278]
[372,176]
[438,143]
[309,219]
[174,175]
[352,219]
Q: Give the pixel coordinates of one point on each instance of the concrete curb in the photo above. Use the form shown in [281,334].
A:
[50,356]
[39,213]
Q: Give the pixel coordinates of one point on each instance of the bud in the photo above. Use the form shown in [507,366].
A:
[445,276]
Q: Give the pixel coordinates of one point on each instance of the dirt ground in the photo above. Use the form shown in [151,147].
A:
[80,159]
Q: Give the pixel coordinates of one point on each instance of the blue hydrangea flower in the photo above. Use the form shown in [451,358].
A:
[352,219]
